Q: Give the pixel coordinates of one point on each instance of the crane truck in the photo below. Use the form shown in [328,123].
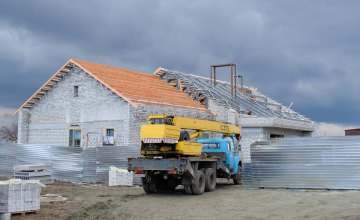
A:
[172,156]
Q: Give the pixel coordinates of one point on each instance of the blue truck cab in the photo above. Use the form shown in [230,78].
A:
[228,151]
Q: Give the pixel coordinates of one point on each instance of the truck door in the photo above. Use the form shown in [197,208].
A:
[231,155]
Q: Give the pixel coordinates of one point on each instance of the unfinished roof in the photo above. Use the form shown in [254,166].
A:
[248,102]
[134,87]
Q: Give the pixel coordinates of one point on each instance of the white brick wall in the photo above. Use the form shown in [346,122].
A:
[23,126]
[95,109]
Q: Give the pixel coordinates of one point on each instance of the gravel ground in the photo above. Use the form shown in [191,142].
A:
[226,202]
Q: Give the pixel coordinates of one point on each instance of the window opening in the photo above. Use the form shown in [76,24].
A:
[109,138]
[74,138]
[76,91]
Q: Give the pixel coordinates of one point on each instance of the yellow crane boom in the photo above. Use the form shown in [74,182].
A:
[165,134]
[205,125]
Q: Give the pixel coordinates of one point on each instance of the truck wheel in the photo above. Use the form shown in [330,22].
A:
[154,188]
[188,190]
[146,187]
[198,187]
[237,178]
[210,179]
[184,136]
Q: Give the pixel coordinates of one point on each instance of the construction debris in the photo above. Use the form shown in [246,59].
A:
[52,198]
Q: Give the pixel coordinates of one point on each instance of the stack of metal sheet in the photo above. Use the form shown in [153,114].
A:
[312,162]
[88,164]
[7,159]
[67,163]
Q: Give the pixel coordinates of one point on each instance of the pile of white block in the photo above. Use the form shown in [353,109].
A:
[120,177]
[41,172]
[18,196]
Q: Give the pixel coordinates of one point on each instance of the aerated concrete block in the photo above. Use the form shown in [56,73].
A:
[19,196]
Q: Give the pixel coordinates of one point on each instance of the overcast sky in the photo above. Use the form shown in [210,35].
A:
[305,52]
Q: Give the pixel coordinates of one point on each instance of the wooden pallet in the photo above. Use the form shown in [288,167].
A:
[19,213]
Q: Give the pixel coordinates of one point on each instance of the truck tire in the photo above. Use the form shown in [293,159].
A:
[198,187]
[154,188]
[237,178]
[184,136]
[146,186]
[188,190]
[210,179]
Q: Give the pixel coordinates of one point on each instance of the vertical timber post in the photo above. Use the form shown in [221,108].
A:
[232,76]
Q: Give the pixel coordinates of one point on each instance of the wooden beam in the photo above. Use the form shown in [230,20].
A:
[46,88]
[56,79]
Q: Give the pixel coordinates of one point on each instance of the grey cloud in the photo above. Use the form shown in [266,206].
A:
[304,52]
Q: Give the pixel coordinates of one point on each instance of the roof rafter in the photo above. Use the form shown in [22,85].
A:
[56,77]
[133,87]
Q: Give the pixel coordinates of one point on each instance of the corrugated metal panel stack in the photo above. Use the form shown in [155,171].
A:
[67,163]
[314,162]
[249,136]
[31,154]
[88,164]
[7,159]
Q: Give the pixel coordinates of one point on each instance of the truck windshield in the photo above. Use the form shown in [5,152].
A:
[230,144]
[211,146]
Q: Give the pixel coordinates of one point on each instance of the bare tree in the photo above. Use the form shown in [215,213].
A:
[9,133]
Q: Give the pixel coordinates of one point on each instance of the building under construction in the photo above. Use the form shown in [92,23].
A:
[87,104]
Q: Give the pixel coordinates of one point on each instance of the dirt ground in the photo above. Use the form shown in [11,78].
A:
[226,202]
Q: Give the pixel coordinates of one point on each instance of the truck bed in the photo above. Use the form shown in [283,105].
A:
[181,164]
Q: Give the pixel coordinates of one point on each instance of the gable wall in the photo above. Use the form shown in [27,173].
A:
[95,109]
